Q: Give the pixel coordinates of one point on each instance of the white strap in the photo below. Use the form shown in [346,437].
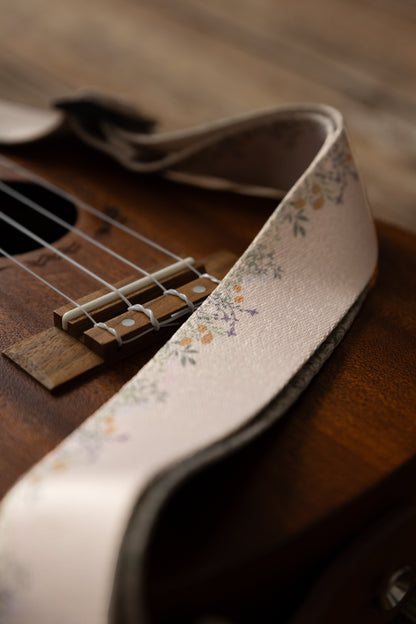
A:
[62,525]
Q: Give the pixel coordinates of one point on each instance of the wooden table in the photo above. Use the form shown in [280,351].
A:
[189,61]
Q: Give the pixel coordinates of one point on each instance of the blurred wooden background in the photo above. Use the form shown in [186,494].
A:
[188,61]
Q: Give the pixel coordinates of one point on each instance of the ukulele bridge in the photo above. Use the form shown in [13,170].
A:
[100,330]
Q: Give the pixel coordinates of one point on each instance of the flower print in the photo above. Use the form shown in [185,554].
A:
[185,341]
[318,203]
[207,338]
[325,186]
[299,203]
[59,466]
[221,315]
[109,425]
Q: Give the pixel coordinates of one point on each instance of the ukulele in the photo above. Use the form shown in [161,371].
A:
[312,522]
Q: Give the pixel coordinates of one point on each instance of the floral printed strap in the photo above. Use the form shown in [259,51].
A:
[276,313]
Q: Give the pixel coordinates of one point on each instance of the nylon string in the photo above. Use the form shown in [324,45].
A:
[49,215]
[88,208]
[169,322]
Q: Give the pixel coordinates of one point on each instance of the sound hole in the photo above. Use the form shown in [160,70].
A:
[15,242]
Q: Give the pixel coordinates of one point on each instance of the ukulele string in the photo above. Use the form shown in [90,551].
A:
[91,210]
[41,241]
[138,307]
[44,281]
[166,323]
[49,215]
[46,213]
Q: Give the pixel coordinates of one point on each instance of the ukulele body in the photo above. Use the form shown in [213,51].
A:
[248,537]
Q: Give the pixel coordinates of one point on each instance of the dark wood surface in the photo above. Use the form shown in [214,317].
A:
[188,61]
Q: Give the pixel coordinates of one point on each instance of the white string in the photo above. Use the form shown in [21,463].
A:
[46,213]
[127,290]
[166,323]
[210,277]
[149,313]
[44,243]
[44,281]
[182,296]
[120,342]
[41,241]
[88,208]
[49,215]
[57,290]
[112,331]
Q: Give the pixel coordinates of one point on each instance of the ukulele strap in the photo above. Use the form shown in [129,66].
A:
[74,529]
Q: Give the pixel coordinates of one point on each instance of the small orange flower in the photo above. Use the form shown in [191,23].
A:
[207,338]
[202,329]
[316,189]
[108,430]
[185,341]
[237,288]
[59,466]
[109,420]
[239,299]
[318,203]
[300,203]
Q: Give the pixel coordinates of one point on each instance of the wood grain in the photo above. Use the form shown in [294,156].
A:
[103,312]
[163,307]
[53,358]
[189,61]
